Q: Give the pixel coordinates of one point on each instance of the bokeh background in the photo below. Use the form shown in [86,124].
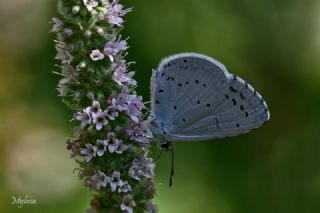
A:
[273,44]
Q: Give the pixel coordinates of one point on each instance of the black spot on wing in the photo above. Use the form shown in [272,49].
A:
[232,89]
[234,102]
[170,78]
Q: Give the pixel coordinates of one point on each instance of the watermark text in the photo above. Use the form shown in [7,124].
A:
[20,201]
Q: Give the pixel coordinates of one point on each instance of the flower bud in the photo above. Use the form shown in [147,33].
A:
[87,33]
[100,30]
[76,9]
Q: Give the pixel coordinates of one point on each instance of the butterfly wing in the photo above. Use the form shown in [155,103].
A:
[242,110]
[195,98]
[185,83]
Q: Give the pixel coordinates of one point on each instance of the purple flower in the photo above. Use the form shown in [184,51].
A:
[63,88]
[89,152]
[95,108]
[115,181]
[96,55]
[152,208]
[100,120]
[112,48]
[57,25]
[62,54]
[90,4]
[101,146]
[134,108]
[140,132]
[130,103]
[111,113]
[84,117]
[68,32]
[120,76]
[120,148]
[90,184]
[121,101]
[124,187]
[100,180]
[115,12]
[113,142]
[127,204]
[70,73]
[143,167]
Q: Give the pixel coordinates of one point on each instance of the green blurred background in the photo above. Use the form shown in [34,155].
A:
[273,44]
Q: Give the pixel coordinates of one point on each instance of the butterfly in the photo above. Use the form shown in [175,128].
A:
[194,98]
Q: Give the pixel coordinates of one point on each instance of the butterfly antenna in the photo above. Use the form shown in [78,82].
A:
[172,165]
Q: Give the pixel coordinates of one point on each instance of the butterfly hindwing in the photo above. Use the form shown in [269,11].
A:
[242,110]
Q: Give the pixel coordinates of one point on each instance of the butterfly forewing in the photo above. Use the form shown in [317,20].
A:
[187,87]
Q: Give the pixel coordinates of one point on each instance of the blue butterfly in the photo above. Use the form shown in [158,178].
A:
[195,98]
